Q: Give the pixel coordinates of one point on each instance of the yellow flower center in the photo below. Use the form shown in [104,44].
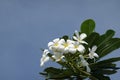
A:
[76,46]
[56,44]
[66,44]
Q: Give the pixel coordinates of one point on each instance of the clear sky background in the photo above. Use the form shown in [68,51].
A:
[28,25]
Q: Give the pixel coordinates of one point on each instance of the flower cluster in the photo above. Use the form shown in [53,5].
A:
[80,56]
[59,47]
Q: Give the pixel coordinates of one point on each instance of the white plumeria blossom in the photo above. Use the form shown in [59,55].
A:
[44,58]
[58,56]
[85,63]
[55,45]
[92,53]
[80,37]
[77,47]
[67,45]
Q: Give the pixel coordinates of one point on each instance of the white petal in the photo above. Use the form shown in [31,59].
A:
[82,36]
[84,63]
[62,41]
[61,48]
[41,64]
[83,42]
[71,46]
[43,60]
[94,48]
[70,41]
[88,69]
[46,59]
[57,56]
[77,33]
[50,44]
[56,40]
[96,55]
[50,47]
[45,51]
[75,38]
[81,48]
[66,50]
[89,49]
[72,50]
[91,55]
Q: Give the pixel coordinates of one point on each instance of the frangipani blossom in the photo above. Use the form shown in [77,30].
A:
[85,63]
[44,58]
[92,53]
[58,56]
[77,47]
[80,37]
[68,45]
[55,45]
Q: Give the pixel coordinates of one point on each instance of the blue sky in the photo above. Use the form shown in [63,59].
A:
[28,25]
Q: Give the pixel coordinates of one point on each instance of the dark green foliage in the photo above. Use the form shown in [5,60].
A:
[65,37]
[92,38]
[108,46]
[55,73]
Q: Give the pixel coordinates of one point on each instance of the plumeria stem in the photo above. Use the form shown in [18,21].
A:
[72,66]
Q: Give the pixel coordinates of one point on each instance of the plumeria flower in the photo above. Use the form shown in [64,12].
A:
[85,63]
[80,37]
[58,56]
[77,47]
[67,45]
[92,53]
[55,45]
[44,58]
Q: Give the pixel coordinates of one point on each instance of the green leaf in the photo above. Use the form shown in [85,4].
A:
[43,73]
[88,26]
[110,60]
[55,73]
[104,42]
[52,70]
[107,68]
[100,76]
[92,38]
[108,47]
[105,37]
[105,71]
[104,66]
